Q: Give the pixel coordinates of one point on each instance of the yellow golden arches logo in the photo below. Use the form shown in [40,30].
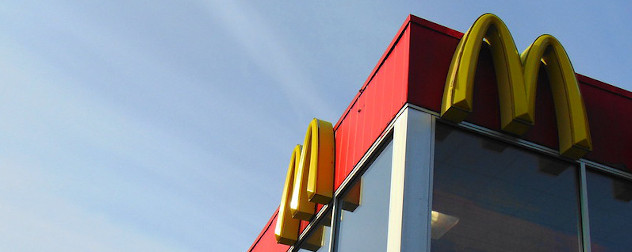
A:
[517,79]
[309,180]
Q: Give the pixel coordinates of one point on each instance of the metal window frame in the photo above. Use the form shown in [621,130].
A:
[411,182]
[316,221]
[397,230]
[583,210]
[582,164]
[583,234]
[354,175]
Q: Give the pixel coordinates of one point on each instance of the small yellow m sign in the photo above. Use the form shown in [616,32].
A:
[309,180]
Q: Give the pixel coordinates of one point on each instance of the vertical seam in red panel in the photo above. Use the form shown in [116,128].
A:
[346,140]
[407,62]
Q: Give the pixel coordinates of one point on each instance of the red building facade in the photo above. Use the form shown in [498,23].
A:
[396,121]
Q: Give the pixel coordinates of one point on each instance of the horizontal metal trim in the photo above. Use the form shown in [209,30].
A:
[355,172]
[368,155]
[316,220]
[359,168]
[591,165]
[526,144]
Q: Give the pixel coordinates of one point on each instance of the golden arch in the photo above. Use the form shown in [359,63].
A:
[309,180]
[517,79]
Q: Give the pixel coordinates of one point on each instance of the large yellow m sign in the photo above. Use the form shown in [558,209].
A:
[517,77]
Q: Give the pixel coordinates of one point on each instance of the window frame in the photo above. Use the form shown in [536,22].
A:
[389,134]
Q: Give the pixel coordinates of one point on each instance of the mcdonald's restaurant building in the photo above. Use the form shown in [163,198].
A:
[458,142]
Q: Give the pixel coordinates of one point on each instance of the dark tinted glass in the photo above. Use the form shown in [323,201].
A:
[318,240]
[364,222]
[610,212]
[490,196]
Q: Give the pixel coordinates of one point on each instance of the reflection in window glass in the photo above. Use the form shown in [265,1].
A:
[610,212]
[318,239]
[490,196]
[364,218]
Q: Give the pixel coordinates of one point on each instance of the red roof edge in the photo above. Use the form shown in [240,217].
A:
[449,32]
[390,47]
[411,18]
[436,27]
[456,34]
[603,86]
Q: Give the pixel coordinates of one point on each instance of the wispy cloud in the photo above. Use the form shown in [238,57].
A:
[36,218]
[267,48]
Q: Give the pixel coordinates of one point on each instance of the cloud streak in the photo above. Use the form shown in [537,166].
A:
[266,48]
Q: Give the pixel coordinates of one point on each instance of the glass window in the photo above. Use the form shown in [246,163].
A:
[318,239]
[491,196]
[610,212]
[363,222]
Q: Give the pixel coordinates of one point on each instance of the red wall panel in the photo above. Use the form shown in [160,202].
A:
[266,242]
[608,108]
[377,103]
[368,115]
[609,111]
[414,68]
[430,56]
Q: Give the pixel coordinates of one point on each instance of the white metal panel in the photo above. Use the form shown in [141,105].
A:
[411,182]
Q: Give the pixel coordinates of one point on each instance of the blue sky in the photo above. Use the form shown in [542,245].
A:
[168,125]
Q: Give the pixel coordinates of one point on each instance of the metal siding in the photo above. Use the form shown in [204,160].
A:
[266,242]
[430,56]
[375,106]
[414,68]
[607,107]
[610,124]
[544,132]
[302,226]
[379,100]
[341,137]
